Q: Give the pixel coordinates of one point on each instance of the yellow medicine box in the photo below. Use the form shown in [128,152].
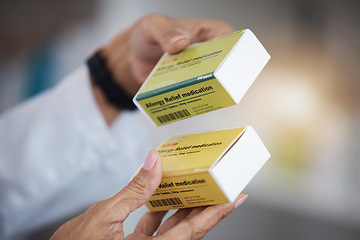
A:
[202,78]
[207,168]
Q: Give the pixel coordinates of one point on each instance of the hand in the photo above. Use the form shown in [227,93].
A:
[104,219]
[185,224]
[132,54]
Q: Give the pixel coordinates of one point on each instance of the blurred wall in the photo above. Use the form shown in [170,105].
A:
[304,105]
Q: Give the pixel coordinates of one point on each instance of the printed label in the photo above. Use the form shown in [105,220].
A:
[185,102]
[183,85]
[186,191]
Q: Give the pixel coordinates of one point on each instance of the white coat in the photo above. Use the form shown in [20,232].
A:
[58,156]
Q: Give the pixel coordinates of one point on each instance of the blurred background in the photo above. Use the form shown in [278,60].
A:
[305,104]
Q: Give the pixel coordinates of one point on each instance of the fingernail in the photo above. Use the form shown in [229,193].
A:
[150,161]
[241,200]
[176,38]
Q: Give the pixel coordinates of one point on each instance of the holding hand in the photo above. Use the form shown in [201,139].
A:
[131,55]
[104,219]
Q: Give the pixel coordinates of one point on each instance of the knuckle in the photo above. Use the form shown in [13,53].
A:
[95,207]
[223,25]
[155,15]
[153,18]
[138,185]
[99,210]
[221,215]
[115,232]
[198,233]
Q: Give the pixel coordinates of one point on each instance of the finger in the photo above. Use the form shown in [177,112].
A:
[205,29]
[149,222]
[199,225]
[174,220]
[219,28]
[162,30]
[176,34]
[139,189]
[195,211]
[179,216]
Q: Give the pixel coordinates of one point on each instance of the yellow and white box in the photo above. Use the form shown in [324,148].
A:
[207,168]
[202,78]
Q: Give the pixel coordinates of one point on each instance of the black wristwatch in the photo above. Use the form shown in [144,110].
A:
[104,80]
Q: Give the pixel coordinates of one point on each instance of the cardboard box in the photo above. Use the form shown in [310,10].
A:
[202,78]
[207,168]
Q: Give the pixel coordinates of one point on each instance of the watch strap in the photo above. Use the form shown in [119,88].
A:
[104,80]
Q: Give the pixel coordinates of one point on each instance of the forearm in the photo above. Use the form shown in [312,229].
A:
[115,61]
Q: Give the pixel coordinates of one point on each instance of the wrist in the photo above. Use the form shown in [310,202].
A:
[108,110]
[118,57]
[103,78]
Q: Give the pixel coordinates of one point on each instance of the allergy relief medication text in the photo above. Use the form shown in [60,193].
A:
[202,78]
[207,168]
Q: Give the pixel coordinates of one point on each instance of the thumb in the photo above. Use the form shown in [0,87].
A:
[170,36]
[140,188]
[175,42]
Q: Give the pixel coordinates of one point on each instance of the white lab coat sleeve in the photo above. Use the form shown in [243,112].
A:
[57,155]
